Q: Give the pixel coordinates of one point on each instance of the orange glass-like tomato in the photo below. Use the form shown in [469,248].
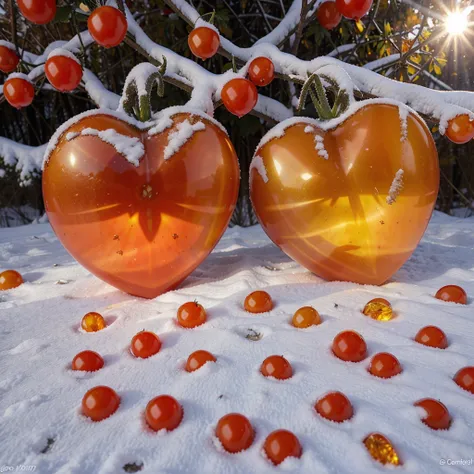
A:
[460,129]
[134,227]
[235,432]
[323,196]
[145,344]
[63,73]
[93,322]
[385,365]
[239,96]
[282,444]
[258,302]
[108,26]
[163,413]
[335,406]
[204,42]
[349,346]
[19,92]
[465,379]
[354,9]
[381,449]
[305,317]
[8,59]
[197,359]
[38,11]
[452,293]
[328,15]
[379,309]
[277,367]
[261,71]
[10,279]
[88,361]
[432,336]
[100,402]
[437,415]
[191,314]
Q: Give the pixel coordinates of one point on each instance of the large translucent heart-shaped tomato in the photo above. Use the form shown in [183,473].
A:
[352,202]
[144,228]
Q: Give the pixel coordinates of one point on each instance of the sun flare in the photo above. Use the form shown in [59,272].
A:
[457,22]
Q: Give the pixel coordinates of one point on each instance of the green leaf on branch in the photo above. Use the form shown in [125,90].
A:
[63,14]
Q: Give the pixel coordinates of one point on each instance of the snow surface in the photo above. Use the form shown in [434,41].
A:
[40,397]
[178,138]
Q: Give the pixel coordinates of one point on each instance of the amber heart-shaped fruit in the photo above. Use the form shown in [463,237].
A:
[348,200]
[141,225]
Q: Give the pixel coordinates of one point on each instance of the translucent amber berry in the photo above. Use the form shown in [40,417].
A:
[258,302]
[276,366]
[305,317]
[381,449]
[437,415]
[349,346]
[100,402]
[197,359]
[163,413]
[282,444]
[384,365]
[465,379]
[334,406]
[191,314]
[10,279]
[93,322]
[145,344]
[88,361]
[235,432]
[452,293]
[432,336]
[379,309]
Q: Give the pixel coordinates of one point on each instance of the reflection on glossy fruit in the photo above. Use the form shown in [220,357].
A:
[191,315]
[385,365]
[436,414]
[100,402]
[10,279]
[381,449]
[235,432]
[88,361]
[465,379]
[134,227]
[379,309]
[258,302]
[93,322]
[305,317]
[335,406]
[432,336]
[349,346]
[452,293]
[163,413]
[332,215]
[282,444]
[277,367]
[197,359]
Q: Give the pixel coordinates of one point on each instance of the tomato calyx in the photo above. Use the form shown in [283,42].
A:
[314,87]
[136,98]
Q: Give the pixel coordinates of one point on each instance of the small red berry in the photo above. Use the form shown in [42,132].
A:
[261,71]
[107,26]
[100,402]
[204,42]
[191,315]
[163,413]
[145,344]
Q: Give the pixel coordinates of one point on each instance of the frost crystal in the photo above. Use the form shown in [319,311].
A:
[259,165]
[396,187]
[319,141]
[130,147]
[178,138]
[403,111]
[308,129]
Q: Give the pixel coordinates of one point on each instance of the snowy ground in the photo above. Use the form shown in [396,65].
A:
[40,397]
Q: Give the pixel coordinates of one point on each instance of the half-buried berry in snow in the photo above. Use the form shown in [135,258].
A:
[258,302]
[145,344]
[191,315]
[100,402]
[163,413]
[235,432]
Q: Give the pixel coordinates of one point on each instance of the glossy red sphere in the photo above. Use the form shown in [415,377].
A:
[349,346]
[261,71]
[452,293]
[197,359]
[88,361]
[63,73]
[100,402]
[8,59]
[465,379]
[354,9]
[108,26]
[437,415]
[18,92]
[10,279]
[460,129]
[145,344]
[432,336]
[384,365]
[204,42]
[191,315]
[38,11]
[163,413]
[328,15]
[277,367]
[282,444]
[335,406]
[258,302]
[235,432]
[239,96]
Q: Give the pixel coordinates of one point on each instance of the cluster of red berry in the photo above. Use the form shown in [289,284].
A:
[234,431]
